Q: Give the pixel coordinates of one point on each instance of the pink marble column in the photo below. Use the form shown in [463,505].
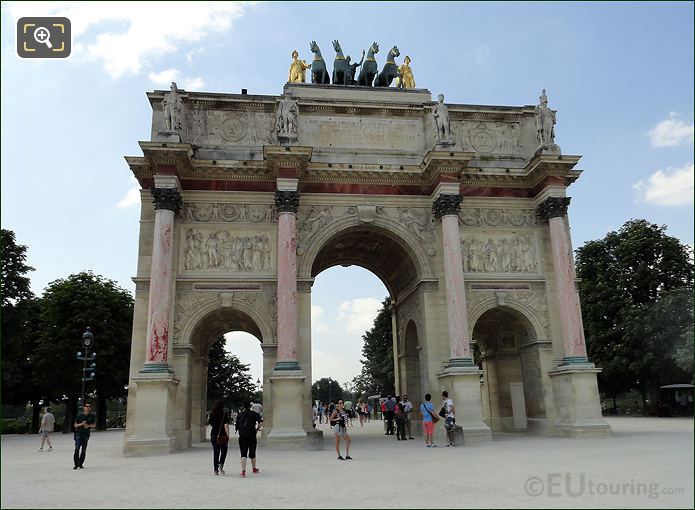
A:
[554,210]
[446,207]
[167,202]
[287,203]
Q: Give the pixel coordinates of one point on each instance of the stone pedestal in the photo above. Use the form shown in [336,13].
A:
[153,433]
[463,385]
[314,440]
[287,431]
[577,402]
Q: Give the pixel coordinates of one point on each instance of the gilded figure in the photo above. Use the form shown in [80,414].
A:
[405,75]
[297,69]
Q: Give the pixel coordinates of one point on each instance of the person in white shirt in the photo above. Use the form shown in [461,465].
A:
[407,406]
[47,424]
[450,421]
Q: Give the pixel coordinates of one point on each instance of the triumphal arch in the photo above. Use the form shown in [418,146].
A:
[461,210]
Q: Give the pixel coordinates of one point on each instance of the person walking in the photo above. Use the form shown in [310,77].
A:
[248,423]
[399,418]
[407,407]
[428,420]
[450,420]
[47,424]
[390,407]
[219,436]
[339,420]
[84,423]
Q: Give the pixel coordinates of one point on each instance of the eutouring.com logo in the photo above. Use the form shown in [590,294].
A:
[574,485]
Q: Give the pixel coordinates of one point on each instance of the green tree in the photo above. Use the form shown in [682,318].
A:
[68,307]
[229,379]
[14,284]
[636,293]
[377,376]
[20,314]
[326,390]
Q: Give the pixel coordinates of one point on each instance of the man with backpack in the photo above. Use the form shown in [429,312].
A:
[247,425]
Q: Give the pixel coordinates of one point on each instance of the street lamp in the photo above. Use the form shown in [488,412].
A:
[88,372]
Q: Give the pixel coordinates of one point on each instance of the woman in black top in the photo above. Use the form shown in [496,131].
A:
[219,421]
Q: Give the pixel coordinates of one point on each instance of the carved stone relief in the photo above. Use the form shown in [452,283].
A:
[223,213]
[501,254]
[535,300]
[250,128]
[186,303]
[312,219]
[266,304]
[478,217]
[418,221]
[489,137]
[222,250]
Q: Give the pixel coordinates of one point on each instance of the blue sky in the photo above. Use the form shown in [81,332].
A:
[619,74]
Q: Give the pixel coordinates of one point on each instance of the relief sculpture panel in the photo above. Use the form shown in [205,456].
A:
[499,254]
[481,217]
[224,212]
[207,127]
[502,138]
[223,251]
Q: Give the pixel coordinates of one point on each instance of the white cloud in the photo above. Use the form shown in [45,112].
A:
[670,187]
[129,36]
[196,83]
[671,132]
[132,197]
[164,78]
[318,324]
[357,316]
[337,366]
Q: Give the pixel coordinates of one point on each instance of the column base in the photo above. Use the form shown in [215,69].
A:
[150,431]
[463,385]
[461,362]
[576,396]
[576,360]
[287,365]
[287,432]
[156,368]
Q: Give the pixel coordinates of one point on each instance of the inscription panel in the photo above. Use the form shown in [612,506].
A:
[361,133]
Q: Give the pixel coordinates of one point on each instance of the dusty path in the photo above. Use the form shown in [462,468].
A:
[648,463]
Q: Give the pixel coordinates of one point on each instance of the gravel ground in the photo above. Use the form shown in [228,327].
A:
[647,463]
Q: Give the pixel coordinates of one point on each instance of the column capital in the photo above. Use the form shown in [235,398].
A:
[446,204]
[287,201]
[166,198]
[553,207]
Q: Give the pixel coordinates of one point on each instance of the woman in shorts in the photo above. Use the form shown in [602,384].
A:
[339,420]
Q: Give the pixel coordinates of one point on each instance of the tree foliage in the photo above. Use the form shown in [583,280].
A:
[326,390]
[20,313]
[229,379]
[636,293]
[14,283]
[377,376]
[68,307]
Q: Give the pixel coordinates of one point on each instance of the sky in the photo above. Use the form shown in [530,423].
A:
[619,74]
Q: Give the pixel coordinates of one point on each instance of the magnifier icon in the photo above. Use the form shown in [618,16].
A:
[43,36]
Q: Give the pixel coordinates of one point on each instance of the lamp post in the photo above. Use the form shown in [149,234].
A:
[330,381]
[88,373]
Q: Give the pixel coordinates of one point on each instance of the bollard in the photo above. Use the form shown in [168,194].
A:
[314,440]
[458,436]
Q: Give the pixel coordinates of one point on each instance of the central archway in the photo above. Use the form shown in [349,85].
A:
[399,260]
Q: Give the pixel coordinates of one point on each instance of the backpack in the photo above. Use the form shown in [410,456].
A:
[245,424]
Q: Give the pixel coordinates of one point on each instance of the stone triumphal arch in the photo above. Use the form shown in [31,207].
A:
[246,198]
